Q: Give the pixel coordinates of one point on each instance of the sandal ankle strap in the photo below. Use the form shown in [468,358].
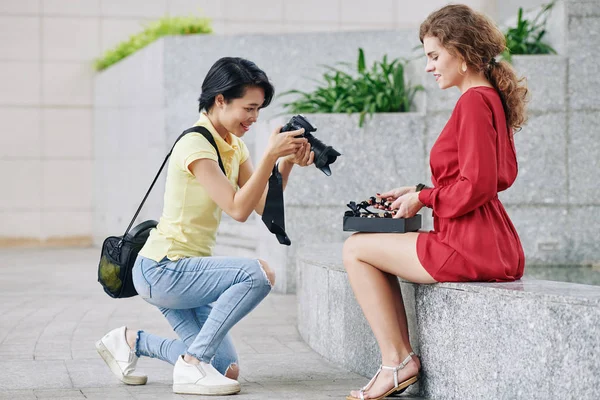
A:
[397,368]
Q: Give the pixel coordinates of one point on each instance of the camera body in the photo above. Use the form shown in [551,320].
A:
[324,155]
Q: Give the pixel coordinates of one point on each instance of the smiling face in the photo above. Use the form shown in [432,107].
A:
[444,66]
[237,115]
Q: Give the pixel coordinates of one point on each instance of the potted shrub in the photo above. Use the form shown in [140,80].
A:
[528,36]
[163,27]
[381,89]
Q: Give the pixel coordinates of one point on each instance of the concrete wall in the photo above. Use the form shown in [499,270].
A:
[46,88]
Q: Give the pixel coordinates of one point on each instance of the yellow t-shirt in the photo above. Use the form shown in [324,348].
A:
[188,225]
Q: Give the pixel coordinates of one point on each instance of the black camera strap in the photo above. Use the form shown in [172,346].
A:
[199,129]
[273,214]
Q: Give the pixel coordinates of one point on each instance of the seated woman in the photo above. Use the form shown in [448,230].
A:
[472,161]
[202,296]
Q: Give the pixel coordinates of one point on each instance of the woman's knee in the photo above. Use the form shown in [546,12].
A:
[350,250]
[269,273]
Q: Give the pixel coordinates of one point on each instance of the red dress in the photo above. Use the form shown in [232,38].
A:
[472,160]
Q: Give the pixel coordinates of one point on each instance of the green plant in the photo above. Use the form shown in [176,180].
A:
[527,37]
[153,31]
[380,89]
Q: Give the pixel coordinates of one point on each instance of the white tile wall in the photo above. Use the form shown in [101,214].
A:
[491,7]
[27,29]
[237,27]
[20,83]
[66,133]
[21,185]
[368,27]
[20,134]
[70,38]
[20,7]
[113,30]
[67,83]
[410,14]
[66,223]
[133,8]
[311,11]
[90,8]
[67,185]
[250,11]
[373,12]
[21,224]
[209,8]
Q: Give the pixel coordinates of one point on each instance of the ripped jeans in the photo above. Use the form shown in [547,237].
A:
[202,298]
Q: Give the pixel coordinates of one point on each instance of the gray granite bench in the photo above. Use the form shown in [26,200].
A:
[530,339]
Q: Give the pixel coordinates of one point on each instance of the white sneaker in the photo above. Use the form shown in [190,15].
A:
[119,357]
[201,379]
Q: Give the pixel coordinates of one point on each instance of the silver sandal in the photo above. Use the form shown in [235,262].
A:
[399,387]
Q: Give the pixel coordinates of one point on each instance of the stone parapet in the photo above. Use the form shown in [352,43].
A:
[531,339]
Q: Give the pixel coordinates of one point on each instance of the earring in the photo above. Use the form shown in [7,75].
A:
[464,67]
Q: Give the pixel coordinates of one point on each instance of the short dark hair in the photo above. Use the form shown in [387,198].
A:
[231,76]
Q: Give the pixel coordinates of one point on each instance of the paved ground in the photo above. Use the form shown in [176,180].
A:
[52,311]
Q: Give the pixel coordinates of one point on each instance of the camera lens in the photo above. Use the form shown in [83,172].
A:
[324,155]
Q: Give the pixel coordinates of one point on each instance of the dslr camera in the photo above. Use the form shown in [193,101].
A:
[324,155]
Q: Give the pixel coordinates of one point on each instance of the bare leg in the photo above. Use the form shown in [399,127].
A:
[398,302]
[233,372]
[370,259]
[401,312]
[131,337]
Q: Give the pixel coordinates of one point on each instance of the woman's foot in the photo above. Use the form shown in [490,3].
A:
[120,356]
[131,337]
[384,381]
[201,378]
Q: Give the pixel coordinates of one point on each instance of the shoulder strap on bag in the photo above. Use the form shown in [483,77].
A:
[199,129]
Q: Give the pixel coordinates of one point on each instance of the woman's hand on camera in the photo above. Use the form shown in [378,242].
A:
[282,144]
[407,205]
[302,157]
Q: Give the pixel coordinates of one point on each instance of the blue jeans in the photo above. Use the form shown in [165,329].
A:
[202,298]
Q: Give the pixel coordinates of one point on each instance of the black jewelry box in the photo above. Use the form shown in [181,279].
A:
[382,225]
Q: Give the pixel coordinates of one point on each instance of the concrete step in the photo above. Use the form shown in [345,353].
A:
[530,339]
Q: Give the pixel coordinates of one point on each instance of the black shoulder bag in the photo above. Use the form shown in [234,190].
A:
[119,252]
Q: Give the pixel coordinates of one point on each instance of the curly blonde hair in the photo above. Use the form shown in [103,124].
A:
[475,38]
